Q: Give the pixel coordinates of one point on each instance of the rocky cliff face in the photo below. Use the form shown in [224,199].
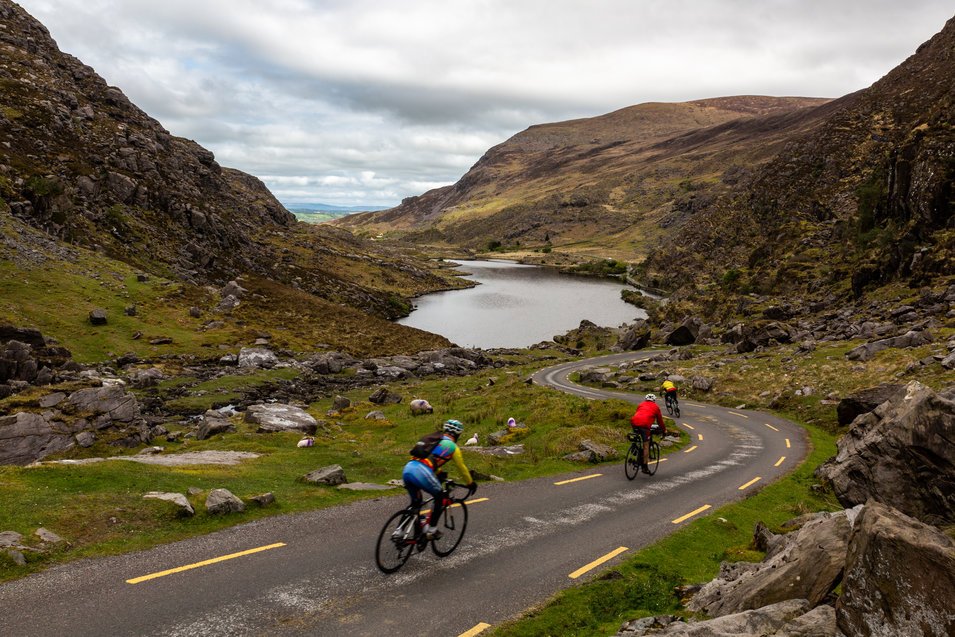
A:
[80,161]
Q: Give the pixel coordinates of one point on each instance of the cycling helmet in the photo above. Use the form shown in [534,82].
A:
[453,427]
[652,397]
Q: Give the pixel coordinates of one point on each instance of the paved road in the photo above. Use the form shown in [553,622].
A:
[314,573]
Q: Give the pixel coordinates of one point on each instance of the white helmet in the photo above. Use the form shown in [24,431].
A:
[453,427]
[652,397]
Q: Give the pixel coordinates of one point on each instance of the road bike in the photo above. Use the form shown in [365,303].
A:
[403,533]
[672,404]
[634,459]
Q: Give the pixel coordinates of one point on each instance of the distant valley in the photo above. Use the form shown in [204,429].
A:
[321,212]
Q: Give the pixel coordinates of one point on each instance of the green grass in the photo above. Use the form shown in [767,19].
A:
[220,391]
[644,584]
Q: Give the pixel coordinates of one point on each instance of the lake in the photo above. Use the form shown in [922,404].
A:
[519,305]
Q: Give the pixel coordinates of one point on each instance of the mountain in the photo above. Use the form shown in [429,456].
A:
[606,182]
[92,188]
[736,195]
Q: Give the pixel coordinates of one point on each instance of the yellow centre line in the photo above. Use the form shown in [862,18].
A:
[690,449]
[692,404]
[700,437]
[780,461]
[787,443]
[690,427]
[593,475]
[480,628]
[179,569]
[770,426]
[609,556]
[738,414]
[750,483]
[691,514]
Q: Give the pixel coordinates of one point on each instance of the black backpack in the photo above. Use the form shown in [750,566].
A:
[424,447]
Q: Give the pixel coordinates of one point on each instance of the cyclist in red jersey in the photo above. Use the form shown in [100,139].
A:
[647,413]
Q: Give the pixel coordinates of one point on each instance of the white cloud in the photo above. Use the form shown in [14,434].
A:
[370,101]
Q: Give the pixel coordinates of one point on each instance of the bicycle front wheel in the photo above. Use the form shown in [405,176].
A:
[396,541]
[654,460]
[669,404]
[454,520]
[631,465]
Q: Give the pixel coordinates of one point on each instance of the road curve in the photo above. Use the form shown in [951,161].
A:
[313,573]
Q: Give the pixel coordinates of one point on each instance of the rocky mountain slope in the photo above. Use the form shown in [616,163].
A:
[779,196]
[608,179]
[112,192]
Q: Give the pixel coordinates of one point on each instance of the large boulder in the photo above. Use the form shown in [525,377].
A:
[259,357]
[899,577]
[591,451]
[686,333]
[110,403]
[331,475]
[901,454]
[222,501]
[637,336]
[183,507]
[277,417]
[383,396]
[808,565]
[26,438]
[912,338]
[861,402]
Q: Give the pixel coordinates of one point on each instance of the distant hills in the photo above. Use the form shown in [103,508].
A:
[733,195]
[321,212]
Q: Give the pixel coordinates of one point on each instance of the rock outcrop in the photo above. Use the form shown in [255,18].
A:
[901,454]
[899,577]
[278,417]
[807,565]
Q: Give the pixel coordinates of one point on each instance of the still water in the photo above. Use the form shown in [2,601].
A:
[519,305]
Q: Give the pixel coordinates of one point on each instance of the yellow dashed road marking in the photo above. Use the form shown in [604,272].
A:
[690,427]
[787,443]
[738,414]
[215,560]
[750,483]
[691,514]
[609,556]
[480,628]
[770,426]
[690,449]
[593,475]
[700,437]
[780,461]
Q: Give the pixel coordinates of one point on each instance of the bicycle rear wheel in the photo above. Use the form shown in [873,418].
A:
[676,408]
[631,464]
[453,522]
[669,404]
[654,460]
[396,541]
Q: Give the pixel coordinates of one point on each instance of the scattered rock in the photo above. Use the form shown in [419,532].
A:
[221,501]
[375,415]
[98,317]
[85,439]
[773,620]
[591,451]
[259,357]
[331,475]
[278,417]
[184,509]
[382,396]
[340,403]
[912,338]
[10,538]
[51,400]
[213,424]
[264,499]
[862,402]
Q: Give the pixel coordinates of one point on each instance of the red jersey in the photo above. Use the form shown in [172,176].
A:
[646,413]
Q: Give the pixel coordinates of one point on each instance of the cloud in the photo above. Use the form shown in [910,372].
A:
[370,101]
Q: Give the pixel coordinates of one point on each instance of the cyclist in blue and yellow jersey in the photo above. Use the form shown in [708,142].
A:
[421,473]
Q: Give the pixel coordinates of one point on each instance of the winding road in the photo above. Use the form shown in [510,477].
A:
[314,573]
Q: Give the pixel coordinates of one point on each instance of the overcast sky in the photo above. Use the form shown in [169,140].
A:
[370,101]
